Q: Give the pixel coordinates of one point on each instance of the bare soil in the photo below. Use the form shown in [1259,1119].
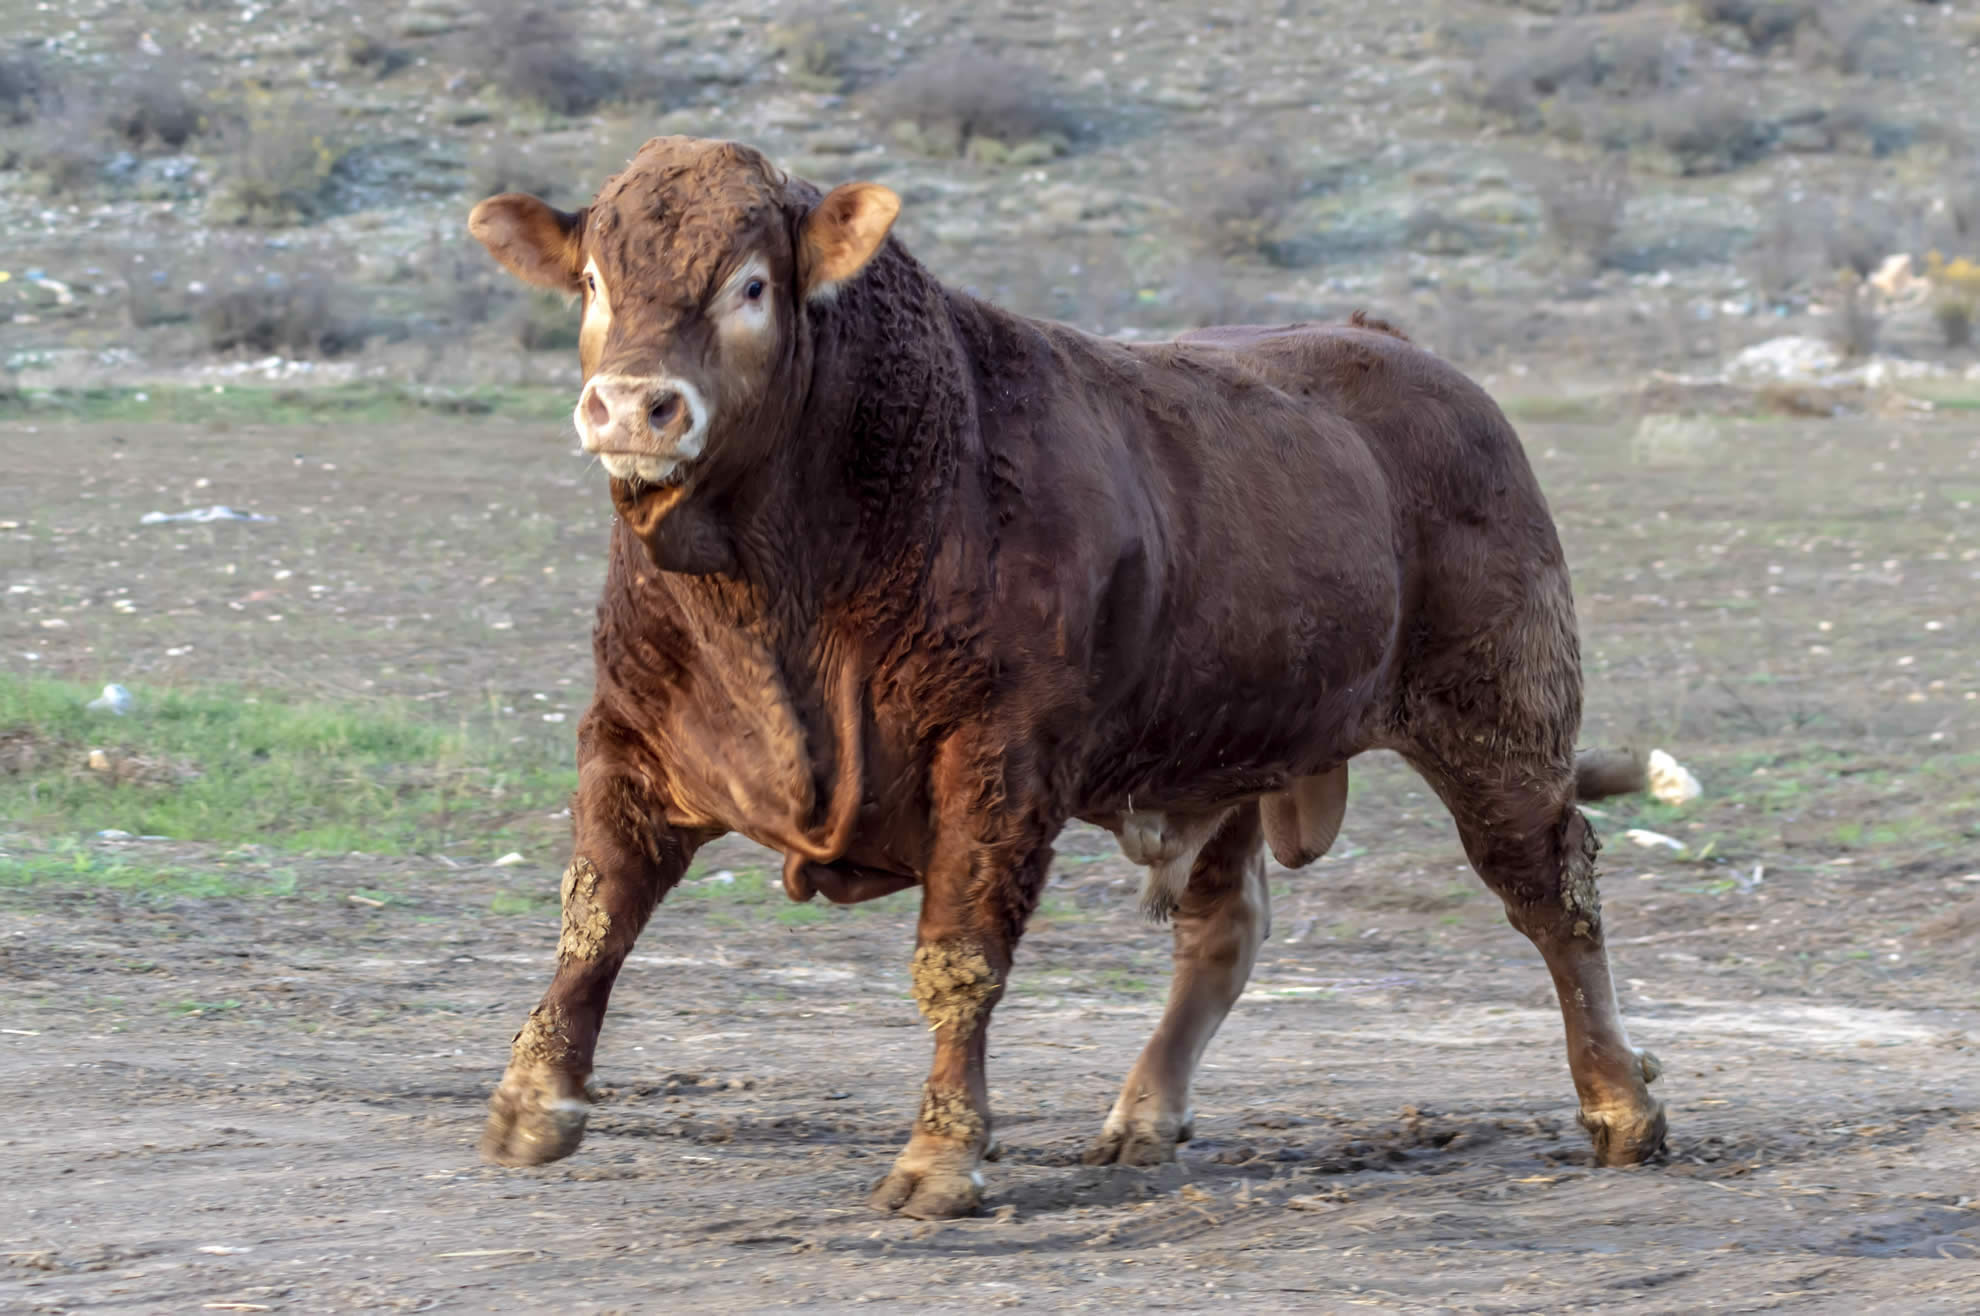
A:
[270,1101]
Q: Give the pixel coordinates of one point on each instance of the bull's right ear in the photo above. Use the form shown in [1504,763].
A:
[535,241]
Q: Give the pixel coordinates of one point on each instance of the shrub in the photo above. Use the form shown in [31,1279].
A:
[815,47]
[1583,208]
[1955,297]
[545,322]
[1236,202]
[1516,75]
[277,301]
[1854,324]
[63,147]
[531,54]
[1709,131]
[373,56]
[275,162]
[23,83]
[1777,258]
[509,165]
[1859,235]
[147,107]
[944,105]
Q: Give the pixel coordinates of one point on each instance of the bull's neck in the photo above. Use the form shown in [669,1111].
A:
[850,511]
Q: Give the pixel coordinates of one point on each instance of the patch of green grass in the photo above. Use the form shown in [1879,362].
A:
[507,903]
[355,402]
[228,767]
[68,865]
[192,1008]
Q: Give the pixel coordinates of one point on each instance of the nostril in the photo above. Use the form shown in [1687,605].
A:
[596,411]
[664,410]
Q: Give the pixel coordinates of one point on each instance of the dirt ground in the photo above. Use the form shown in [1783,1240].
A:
[269,1102]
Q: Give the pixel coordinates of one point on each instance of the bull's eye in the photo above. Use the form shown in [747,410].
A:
[591,284]
[753,290]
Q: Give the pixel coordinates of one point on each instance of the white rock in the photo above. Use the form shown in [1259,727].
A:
[1795,358]
[510,860]
[1670,781]
[1650,840]
[114,699]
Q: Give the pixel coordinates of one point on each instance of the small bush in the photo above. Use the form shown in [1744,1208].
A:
[1762,25]
[148,108]
[1516,75]
[545,322]
[275,162]
[1777,259]
[23,83]
[1955,297]
[1583,208]
[63,148]
[1858,236]
[531,54]
[815,48]
[943,105]
[1854,324]
[507,164]
[373,57]
[285,302]
[1709,131]
[1236,202]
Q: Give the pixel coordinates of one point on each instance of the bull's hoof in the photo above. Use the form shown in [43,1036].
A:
[1137,1142]
[530,1122]
[1630,1133]
[930,1194]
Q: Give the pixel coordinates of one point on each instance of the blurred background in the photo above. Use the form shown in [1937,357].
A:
[1586,188]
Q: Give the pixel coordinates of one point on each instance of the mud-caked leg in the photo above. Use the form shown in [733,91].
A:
[1544,871]
[622,866]
[1222,919]
[968,932]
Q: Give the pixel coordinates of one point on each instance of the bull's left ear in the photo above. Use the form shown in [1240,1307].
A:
[533,240]
[841,234]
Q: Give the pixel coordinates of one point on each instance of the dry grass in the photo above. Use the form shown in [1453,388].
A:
[945,105]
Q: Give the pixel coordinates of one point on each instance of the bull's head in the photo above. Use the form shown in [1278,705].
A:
[698,266]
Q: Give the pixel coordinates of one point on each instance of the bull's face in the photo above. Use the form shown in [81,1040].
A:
[697,267]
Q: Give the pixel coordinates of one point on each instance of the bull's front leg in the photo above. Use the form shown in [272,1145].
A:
[972,914]
[624,861]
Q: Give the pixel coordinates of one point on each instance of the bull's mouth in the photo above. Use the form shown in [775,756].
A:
[644,467]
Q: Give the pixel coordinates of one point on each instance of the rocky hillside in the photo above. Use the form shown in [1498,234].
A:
[1576,188]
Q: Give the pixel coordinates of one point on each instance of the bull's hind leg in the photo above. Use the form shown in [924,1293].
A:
[1523,834]
[625,859]
[1221,919]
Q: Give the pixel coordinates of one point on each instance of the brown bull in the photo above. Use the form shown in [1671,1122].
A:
[902,582]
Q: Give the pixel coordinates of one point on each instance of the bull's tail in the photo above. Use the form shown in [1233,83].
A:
[1600,773]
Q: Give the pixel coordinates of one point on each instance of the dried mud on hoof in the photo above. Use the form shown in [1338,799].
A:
[527,1126]
[929,1195]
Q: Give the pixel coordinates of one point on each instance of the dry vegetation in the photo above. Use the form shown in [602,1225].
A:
[1614,129]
